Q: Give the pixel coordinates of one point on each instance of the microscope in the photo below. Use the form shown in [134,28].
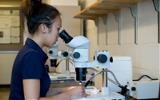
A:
[80,57]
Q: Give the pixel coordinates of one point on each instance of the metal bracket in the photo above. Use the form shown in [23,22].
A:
[104,18]
[156,4]
[97,24]
[134,13]
[117,18]
[106,30]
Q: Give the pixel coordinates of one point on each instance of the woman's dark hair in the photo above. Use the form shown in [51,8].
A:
[38,13]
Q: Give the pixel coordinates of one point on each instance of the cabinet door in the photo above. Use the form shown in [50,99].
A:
[6,63]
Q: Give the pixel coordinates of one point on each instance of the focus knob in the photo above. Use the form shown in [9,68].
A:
[133,88]
[50,52]
[102,58]
[111,59]
[65,54]
[76,55]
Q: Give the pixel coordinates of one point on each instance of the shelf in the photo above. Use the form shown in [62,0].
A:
[104,7]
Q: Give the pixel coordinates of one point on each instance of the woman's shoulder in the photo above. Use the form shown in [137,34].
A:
[28,52]
[31,53]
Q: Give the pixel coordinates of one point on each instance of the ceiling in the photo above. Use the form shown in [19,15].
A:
[9,0]
[10,3]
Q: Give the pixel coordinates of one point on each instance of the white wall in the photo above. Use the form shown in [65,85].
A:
[145,55]
[58,3]
[67,8]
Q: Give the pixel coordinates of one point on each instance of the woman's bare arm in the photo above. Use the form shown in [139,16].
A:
[32,91]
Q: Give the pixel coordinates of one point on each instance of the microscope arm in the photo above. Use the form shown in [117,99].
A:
[76,42]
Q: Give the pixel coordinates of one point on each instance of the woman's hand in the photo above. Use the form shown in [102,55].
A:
[76,91]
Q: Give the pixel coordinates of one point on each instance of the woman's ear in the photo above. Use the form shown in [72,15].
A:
[43,28]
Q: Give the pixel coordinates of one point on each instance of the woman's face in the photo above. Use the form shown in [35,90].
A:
[52,36]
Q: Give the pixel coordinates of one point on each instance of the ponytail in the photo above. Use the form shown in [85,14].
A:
[38,13]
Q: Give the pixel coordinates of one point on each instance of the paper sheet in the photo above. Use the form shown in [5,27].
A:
[15,31]
[5,35]
[15,21]
[9,26]
[15,40]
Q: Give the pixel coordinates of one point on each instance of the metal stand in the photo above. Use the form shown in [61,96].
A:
[67,65]
[105,94]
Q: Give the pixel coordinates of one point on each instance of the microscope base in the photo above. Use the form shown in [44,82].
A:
[111,96]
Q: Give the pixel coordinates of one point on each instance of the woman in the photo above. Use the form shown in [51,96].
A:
[30,80]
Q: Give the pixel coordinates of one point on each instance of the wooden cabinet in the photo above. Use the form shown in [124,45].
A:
[103,7]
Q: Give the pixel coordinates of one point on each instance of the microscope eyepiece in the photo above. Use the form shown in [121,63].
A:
[65,36]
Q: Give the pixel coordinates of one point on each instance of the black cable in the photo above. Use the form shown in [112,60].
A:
[145,76]
[150,79]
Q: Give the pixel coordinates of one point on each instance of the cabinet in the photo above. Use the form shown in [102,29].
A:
[103,7]
[6,62]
